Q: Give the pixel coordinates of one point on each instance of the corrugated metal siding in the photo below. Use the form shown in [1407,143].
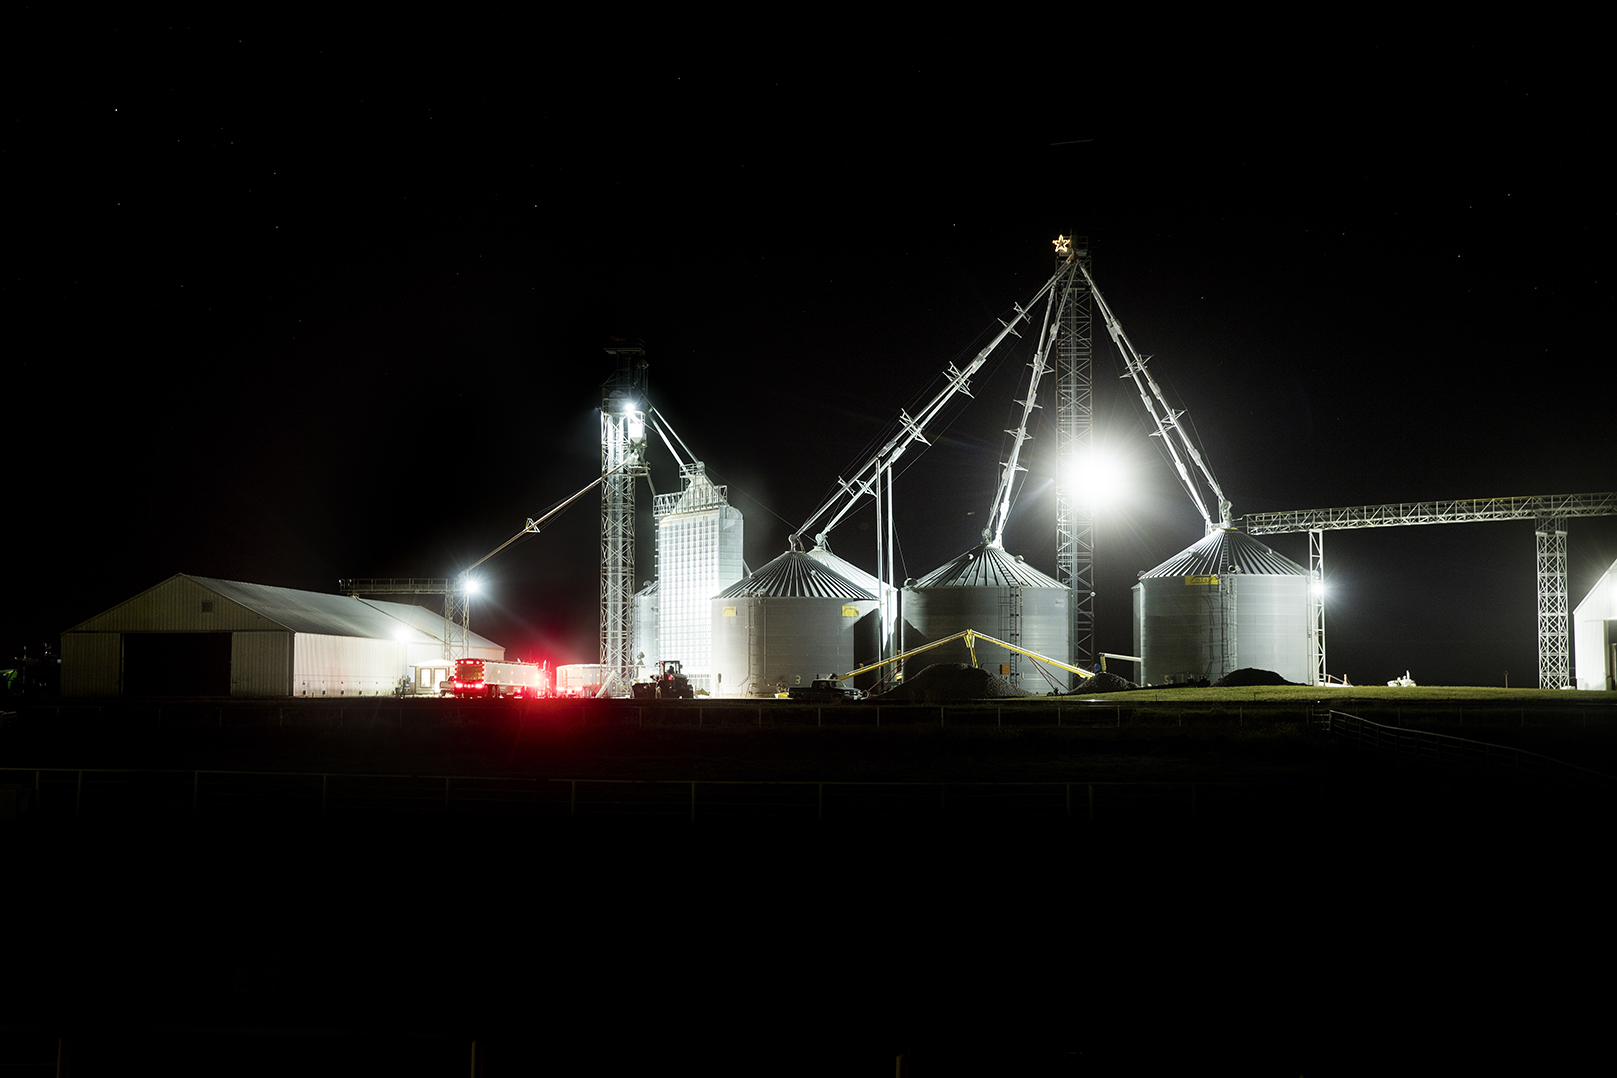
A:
[937,612]
[345,665]
[261,664]
[91,663]
[1195,630]
[763,644]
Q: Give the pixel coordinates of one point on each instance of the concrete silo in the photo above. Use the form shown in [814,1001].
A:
[1225,603]
[792,621]
[996,593]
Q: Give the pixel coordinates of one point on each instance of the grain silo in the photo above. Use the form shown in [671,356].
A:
[792,621]
[699,535]
[1226,603]
[996,593]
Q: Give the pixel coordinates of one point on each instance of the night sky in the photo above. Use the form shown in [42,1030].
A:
[292,304]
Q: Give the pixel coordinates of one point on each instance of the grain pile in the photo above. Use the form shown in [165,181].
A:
[946,683]
[1246,677]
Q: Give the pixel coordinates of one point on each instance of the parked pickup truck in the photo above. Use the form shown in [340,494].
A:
[823,692]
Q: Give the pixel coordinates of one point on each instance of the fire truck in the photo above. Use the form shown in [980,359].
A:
[494,680]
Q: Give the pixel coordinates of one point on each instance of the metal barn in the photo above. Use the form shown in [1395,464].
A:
[199,636]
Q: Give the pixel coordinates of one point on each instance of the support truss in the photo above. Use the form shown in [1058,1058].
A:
[1547,511]
[1554,663]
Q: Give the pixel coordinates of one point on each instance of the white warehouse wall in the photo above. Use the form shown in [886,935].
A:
[1594,631]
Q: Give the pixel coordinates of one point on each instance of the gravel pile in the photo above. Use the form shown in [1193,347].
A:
[1246,676]
[946,683]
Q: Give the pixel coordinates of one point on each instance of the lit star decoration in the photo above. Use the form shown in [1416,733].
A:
[1063,246]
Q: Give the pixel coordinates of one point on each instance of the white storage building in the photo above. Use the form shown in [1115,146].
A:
[1594,634]
[199,636]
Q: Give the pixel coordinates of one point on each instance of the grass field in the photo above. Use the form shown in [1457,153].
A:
[1250,941]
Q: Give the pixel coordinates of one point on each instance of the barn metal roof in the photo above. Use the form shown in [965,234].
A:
[796,574]
[987,566]
[1226,551]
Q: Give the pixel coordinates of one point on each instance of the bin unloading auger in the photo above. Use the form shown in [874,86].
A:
[970,636]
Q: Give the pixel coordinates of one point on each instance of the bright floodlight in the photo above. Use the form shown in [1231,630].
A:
[1097,479]
[473,586]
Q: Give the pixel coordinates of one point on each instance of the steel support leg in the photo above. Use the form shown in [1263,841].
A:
[1554,660]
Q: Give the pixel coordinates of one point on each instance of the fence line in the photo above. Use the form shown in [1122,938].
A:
[1490,761]
[691,798]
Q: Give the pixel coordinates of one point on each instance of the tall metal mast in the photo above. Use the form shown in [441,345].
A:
[1075,410]
[623,460]
[1173,435]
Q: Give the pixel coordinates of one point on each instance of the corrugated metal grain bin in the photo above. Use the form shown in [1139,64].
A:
[996,593]
[1225,603]
[792,621]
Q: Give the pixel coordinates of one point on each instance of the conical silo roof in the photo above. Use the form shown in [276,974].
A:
[1226,551]
[796,574]
[847,569]
[987,566]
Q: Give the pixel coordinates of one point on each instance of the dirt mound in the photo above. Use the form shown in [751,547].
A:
[1246,676]
[1105,681]
[944,683]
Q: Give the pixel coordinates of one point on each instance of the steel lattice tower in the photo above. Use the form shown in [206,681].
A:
[1075,522]
[623,460]
[1554,665]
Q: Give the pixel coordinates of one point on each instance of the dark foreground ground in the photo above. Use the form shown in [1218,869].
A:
[1431,925]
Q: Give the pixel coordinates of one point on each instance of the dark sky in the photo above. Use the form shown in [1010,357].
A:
[297,303]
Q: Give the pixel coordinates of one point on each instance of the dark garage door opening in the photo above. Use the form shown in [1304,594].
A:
[176,664]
